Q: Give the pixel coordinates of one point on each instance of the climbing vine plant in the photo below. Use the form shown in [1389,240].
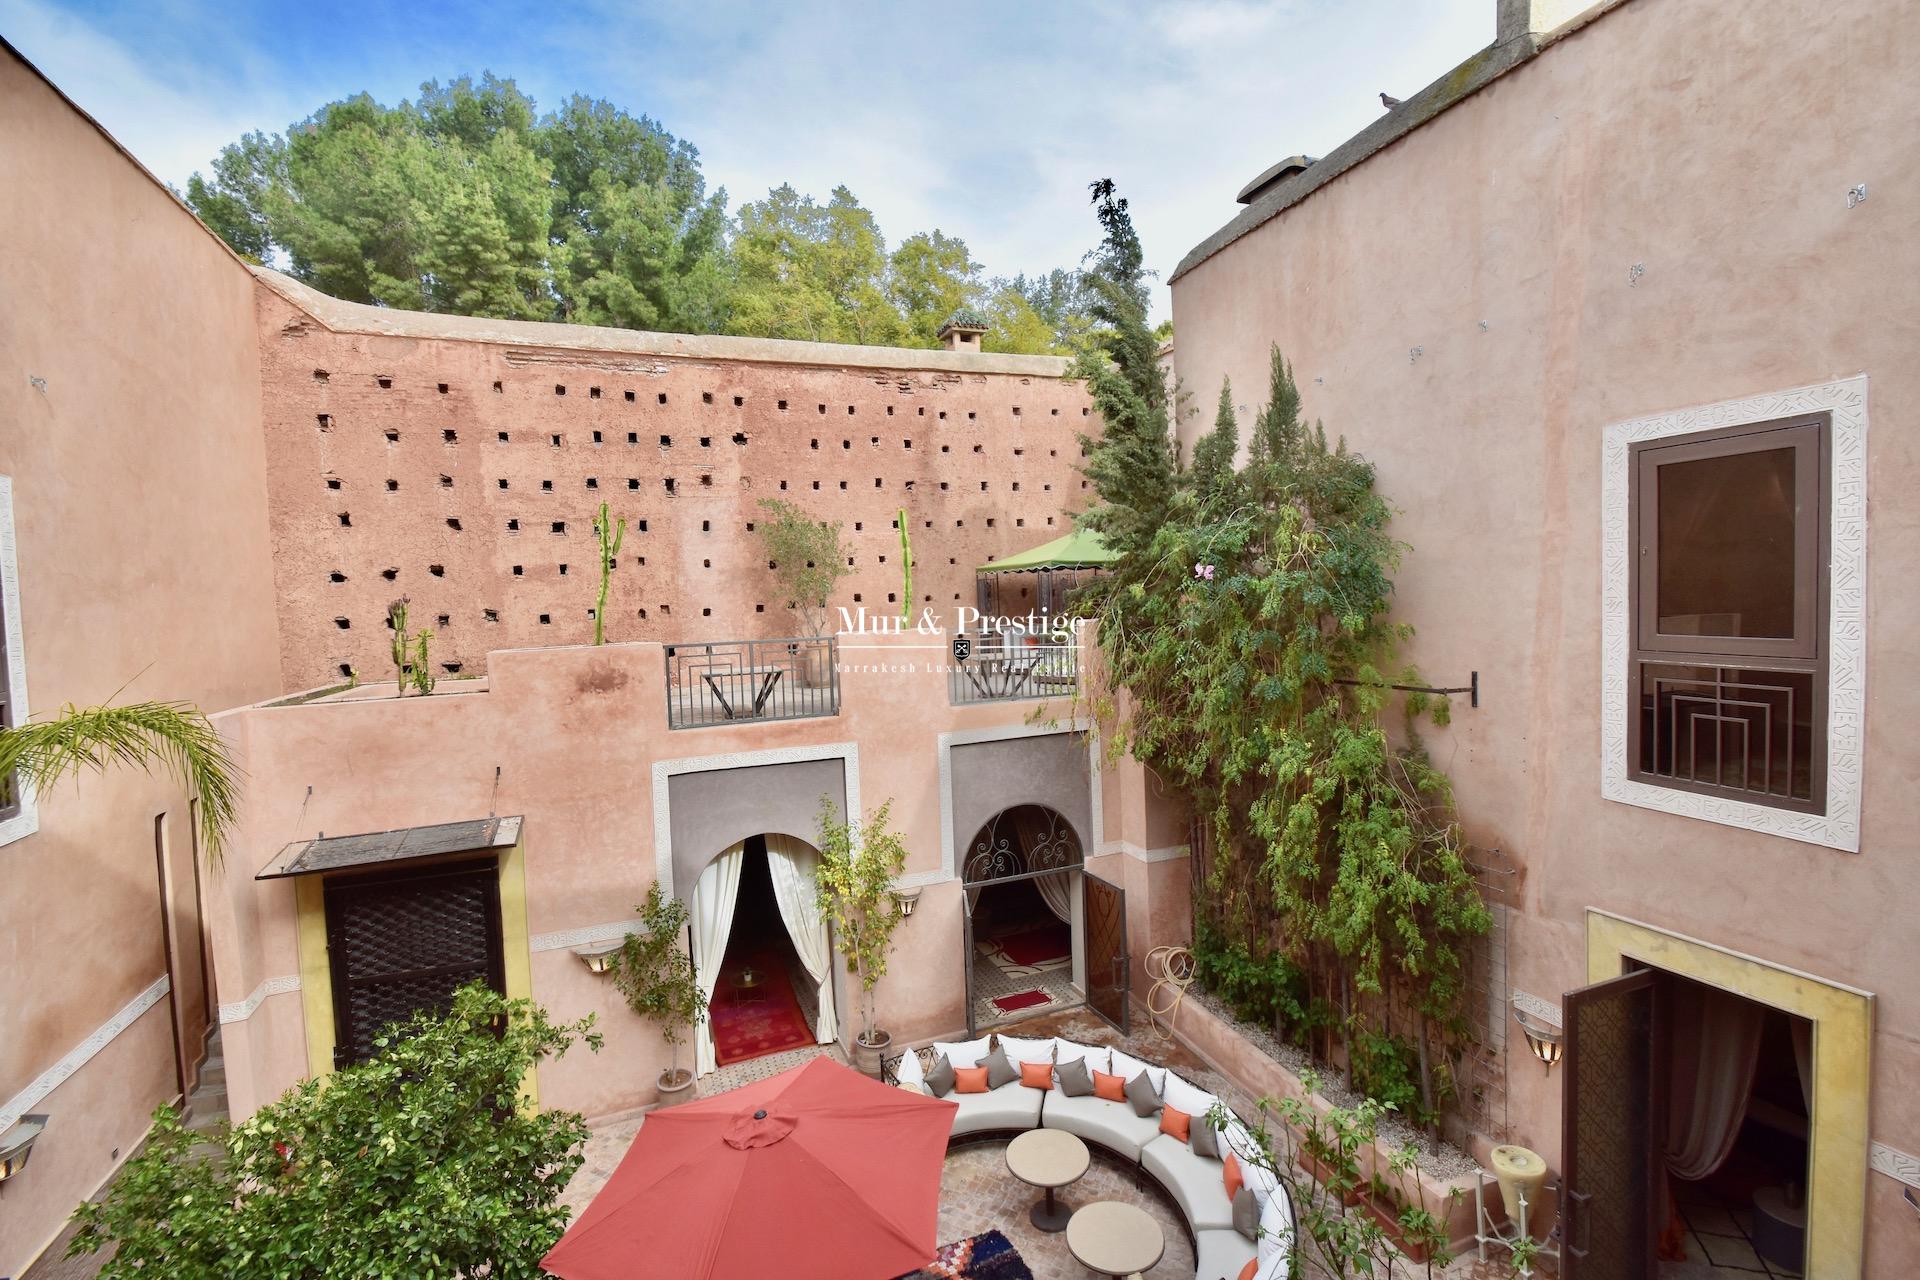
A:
[1248,623]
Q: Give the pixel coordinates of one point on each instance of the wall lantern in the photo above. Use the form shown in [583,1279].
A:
[599,956]
[906,898]
[16,1144]
[1543,1038]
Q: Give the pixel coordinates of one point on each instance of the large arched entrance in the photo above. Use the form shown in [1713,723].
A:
[761,952]
[1022,875]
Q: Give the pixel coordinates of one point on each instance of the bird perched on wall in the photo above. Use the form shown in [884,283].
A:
[1389,103]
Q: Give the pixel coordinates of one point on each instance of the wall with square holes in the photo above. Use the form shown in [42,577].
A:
[464,474]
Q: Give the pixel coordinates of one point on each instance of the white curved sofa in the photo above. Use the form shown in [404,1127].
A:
[1196,1182]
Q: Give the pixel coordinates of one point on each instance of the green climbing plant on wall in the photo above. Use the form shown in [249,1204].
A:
[1249,622]
[610,538]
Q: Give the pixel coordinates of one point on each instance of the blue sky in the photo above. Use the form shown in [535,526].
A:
[986,120]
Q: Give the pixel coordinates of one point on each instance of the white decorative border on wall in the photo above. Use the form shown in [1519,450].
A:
[27,821]
[1846,401]
[62,1071]
[849,752]
[567,939]
[1534,1007]
[1897,1165]
[241,1010]
[949,856]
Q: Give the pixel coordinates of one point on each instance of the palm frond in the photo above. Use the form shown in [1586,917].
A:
[174,737]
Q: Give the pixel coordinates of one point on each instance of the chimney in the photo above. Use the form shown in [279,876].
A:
[963,330]
[1516,19]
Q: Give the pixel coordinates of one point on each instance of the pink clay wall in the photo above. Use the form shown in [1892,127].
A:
[1715,145]
[129,424]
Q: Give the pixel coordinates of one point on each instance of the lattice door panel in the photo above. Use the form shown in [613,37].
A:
[402,944]
[1611,1116]
[1104,911]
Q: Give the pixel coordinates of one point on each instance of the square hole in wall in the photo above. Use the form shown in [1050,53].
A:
[633,482]
[554,441]
[393,436]
[513,524]
[739,402]
[326,421]
[740,437]
[559,526]
[783,406]
[596,437]
[706,478]
[490,615]
[346,519]
[663,397]
[446,482]
[497,388]
[546,486]
[546,619]
[501,437]
[442,387]
[343,623]
[442,620]
[633,437]
[706,442]
[320,375]
[559,389]
[666,442]
[593,483]
[389,574]
[437,570]
[333,482]
[502,482]
[668,482]
[593,393]
[706,397]
[630,397]
[563,569]
[519,571]
[385,384]
[336,576]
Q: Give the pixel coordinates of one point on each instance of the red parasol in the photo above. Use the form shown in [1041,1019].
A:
[817,1174]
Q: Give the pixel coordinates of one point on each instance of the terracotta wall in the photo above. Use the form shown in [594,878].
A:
[129,425]
[576,734]
[1651,215]
[496,422]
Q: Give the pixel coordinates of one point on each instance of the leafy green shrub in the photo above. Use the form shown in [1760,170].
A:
[1386,1068]
[1270,990]
[657,977]
[418,1164]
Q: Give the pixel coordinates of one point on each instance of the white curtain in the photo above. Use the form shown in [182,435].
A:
[1716,1047]
[712,911]
[793,864]
[1057,893]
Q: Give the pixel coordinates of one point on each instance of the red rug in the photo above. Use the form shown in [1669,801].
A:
[752,1024]
[1023,1000]
[1039,944]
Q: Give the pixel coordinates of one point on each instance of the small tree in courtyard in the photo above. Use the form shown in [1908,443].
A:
[809,559]
[657,978]
[857,869]
[419,1163]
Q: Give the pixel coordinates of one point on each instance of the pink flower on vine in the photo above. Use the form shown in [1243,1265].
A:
[1201,569]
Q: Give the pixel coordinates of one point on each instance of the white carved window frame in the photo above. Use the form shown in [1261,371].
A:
[1845,402]
[27,820]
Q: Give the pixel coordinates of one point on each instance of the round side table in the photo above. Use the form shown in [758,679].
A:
[1115,1239]
[1047,1158]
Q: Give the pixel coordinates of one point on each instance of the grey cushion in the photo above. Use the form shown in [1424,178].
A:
[1223,1255]
[1075,1080]
[1196,1182]
[1246,1213]
[1204,1138]
[1108,1124]
[940,1077]
[1008,1107]
[999,1070]
[1140,1093]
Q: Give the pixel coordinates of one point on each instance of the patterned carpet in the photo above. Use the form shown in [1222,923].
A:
[989,1256]
[754,1021]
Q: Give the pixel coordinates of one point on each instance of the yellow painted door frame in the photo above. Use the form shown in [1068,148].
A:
[1842,1018]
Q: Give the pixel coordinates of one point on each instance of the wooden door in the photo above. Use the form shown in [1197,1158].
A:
[1103,909]
[1613,1118]
[402,943]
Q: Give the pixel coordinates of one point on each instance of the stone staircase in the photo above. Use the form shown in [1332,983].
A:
[206,1107]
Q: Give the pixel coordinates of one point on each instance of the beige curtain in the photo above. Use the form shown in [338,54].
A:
[1716,1046]
[714,895]
[793,865]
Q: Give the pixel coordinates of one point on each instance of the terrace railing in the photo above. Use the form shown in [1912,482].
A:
[731,681]
[997,668]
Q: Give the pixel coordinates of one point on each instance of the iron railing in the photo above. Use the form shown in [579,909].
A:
[1745,731]
[995,668]
[728,681]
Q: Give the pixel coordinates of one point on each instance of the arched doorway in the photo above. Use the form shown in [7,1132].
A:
[761,953]
[1022,874]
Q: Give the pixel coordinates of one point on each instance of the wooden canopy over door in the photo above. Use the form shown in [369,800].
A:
[1612,1116]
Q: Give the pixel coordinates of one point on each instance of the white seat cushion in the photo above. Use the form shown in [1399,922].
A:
[1011,1106]
[1198,1183]
[1070,1050]
[1111,1124]
[1246,1146]
[909,1071]
[1181,1096]
[963,1053]
[1276,1237]
[1222,1255]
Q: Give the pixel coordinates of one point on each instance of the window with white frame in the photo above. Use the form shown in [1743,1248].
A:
[17,814]
[1733,612]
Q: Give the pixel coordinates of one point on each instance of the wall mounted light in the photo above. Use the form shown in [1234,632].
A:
[905,898]
[599,956]
[16,1144]
[1543,1039]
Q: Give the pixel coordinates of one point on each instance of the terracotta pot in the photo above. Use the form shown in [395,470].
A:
[675,1088]
[869,1057]
[816,667]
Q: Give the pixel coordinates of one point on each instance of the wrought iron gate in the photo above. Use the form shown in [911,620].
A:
[404,942]
[1612,1116]
[1103,908]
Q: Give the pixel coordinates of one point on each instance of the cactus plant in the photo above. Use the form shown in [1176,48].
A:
[610,540]
[906,566]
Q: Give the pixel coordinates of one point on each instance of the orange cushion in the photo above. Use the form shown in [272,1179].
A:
[1177,1123]
[969,1079]
[1036,1075]
[1232,1177]
[1247,1272]
[1112,1088]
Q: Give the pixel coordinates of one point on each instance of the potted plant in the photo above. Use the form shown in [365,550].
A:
[857,870]
[808,558]
[657,978]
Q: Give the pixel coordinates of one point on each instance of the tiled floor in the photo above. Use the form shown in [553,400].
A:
[1719,1246]
[989,983]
